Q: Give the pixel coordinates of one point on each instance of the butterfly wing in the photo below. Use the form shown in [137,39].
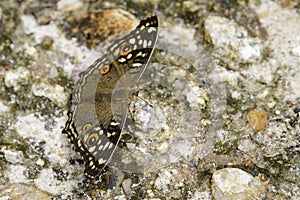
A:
[139,45]
[92,125]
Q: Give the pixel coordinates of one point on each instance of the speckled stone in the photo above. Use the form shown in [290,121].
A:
[246,145]
[232,40]
[235,184]
[258,119]
[53,92]
[15,78]
[126,185]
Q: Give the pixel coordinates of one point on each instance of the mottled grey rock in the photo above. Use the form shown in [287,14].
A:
[235,184]
[231,40]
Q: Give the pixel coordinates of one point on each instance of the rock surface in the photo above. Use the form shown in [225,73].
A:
[236,184]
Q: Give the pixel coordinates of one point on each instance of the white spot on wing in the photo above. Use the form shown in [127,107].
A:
[85,138]
[106,145]
[101,161]
[117,123]
[116,52]
[145,44]
[136,64]
[132,41]
[79,143]
[121,60]
[111,145]
[128,57]
[91,163]
[92,149]
[139,54]
[150,29]
[115,45]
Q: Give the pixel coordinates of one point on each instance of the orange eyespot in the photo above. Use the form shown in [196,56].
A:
[105,69]
[92,139]
[86,126]
[125,49]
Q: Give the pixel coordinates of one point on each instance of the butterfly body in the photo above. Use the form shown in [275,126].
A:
[98,107]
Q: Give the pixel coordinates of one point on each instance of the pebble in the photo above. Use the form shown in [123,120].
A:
[115,180]
[126,185]
[40,162]
[196,97]
[236,184]
[13,156]
[258,119]
[163,180]
[47,181]
[53,92]
[236,95]
[277,112]
[31,27]
[246,145]
[17,174]
[15,78]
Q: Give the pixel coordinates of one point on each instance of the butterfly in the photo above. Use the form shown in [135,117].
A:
[95,117]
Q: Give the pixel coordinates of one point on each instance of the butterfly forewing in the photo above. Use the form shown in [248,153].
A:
[96,115]
[140,43]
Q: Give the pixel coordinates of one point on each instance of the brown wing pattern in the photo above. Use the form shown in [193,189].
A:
[92,126]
